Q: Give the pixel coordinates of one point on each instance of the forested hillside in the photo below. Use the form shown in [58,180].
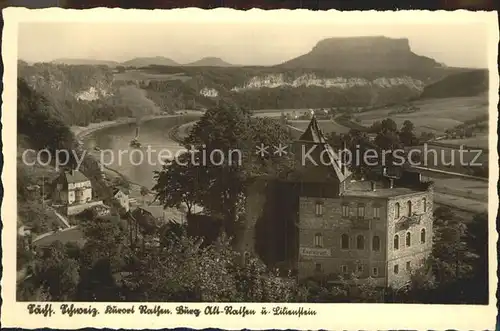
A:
[81,94]
[463,84]
[350,73]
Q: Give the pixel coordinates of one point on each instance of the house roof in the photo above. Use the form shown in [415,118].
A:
[75,176]
[313,134]
[144,218]
[364,189]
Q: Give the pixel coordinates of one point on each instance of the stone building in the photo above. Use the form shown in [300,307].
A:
[320,222]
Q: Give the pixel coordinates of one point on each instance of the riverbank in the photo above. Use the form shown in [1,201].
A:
[81,132]
[111,173]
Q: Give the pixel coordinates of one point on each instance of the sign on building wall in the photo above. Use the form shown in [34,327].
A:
[318,252]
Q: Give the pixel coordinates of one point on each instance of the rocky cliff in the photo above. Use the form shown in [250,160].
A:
[338,72]
[85,82]
[367,56]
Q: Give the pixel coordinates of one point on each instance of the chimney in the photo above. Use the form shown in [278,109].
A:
[373,186]
[391,182]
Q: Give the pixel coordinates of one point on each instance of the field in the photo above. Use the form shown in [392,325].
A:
[277,112]
[449,159]
[432,115]
[480,141]
[326,126]
[138,74]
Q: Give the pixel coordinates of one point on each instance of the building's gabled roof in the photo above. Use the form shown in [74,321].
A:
[120,189]
[75,176]
[313,134]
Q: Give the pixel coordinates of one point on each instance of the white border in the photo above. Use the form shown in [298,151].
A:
[329,316]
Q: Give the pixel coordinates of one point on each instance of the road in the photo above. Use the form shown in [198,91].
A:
[455,174]
[467,197]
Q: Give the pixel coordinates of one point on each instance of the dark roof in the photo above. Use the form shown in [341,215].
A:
[75,176]
[313,134]
[364,189]
[144,218]
[120,189]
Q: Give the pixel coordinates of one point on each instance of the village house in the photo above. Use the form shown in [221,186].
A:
[72,187]
[72,193]
[122,198]
[321,222]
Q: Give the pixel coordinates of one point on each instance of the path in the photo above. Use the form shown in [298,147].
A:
[60,217]
[455,174]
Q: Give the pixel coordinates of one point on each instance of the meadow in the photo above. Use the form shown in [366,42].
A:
[141,75]
[479,141]
[431,115]
[327,126]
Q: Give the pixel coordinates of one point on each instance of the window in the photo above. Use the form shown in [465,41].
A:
[396,269]
[424,203]
[376,212]
[422,236]
[360,242]
[345,210]
[344,241]
[361,211]
[246,258]
[344,269]
[375,271]
[318,267]
[408,239]
[408,207]
[396,210]
[318,240]
[396,242]
[408,266]
[359,268]
[376,243]
[319,209]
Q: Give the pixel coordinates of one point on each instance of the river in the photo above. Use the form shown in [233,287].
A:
[137,164]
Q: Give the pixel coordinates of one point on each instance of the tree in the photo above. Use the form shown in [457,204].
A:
[477,242]
[443,215]
[376,127]
[57,272]
[105,253]
[389,125]
[121,182]
[217,177]
[407,135]
[180,182]
[183,271]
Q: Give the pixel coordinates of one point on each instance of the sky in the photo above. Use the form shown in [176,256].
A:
[243,43]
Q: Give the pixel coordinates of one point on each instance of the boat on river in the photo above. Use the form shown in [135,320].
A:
[135,142]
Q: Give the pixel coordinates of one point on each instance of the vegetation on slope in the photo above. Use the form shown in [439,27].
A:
[463,84]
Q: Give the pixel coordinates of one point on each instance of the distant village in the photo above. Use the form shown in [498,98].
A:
[71,197]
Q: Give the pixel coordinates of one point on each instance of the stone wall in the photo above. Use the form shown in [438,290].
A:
[417,251]
[78,208]
[332,225]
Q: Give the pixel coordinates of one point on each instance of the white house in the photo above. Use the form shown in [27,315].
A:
[122,198]
[72,187]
